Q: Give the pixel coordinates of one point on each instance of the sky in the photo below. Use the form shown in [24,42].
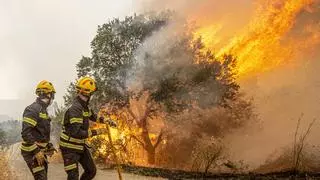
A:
[44,39]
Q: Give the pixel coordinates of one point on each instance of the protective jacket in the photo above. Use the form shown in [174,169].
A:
[75,129]
[35,127]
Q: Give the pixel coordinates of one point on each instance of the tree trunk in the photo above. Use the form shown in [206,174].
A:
[151,156]
[147,144]
[149,147]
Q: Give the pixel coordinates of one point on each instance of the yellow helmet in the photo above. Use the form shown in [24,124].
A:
[86,86]
[45,87]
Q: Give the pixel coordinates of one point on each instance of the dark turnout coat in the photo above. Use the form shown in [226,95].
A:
[75,129]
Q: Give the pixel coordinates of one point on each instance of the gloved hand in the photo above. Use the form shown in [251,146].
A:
[50,146]
[40,158]
[102,131]
[96,132]
[109,121]
[112,123]
[50,150]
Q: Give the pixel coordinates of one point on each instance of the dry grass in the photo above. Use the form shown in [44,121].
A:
[6,172]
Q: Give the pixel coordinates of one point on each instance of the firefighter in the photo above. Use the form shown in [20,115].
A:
[36,131]
[75,131]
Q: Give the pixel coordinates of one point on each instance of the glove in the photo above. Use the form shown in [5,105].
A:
[112,123]
[102,131]
[96,132]
[50,146]
[50,150]
[40,158]
[109,121]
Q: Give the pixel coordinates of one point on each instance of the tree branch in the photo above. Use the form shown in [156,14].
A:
[139,141]
[133,116]
[143,120]
[159,139]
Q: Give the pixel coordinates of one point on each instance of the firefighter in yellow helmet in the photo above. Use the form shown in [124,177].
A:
[36,131]
[76,130]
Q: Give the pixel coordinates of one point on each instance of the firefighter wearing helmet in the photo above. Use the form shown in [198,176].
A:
[76,130]
[36,131]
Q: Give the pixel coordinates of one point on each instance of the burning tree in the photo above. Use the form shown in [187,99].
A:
[149,68]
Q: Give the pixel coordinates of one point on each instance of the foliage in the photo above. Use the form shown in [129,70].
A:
[112,56]
[3,138]
[10,132]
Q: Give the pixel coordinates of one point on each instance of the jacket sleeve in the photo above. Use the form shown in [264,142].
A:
[93,117]
[29,124]
[75,119]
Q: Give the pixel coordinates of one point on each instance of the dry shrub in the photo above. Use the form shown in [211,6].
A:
[206,154]
[6,172]
[301,157]
[282,161]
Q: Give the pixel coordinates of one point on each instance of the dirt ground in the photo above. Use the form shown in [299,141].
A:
[56,172]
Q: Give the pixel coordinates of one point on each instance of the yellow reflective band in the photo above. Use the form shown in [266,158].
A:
[71,139]
[28,148]
[76,120]
[88,144]
[43,116]
[86,114]
[30,121]
[37,169]
[71,146]
[70,167]
[43,145]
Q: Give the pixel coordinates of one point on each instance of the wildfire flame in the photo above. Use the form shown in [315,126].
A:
[134,152]
[267,43]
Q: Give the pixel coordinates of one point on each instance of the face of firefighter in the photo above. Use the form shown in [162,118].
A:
[48,99]
[84,98]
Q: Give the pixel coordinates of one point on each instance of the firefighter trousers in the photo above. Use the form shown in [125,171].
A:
[38,172]
[71,163]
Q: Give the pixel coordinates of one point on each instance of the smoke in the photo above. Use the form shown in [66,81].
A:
[283,92]
[228,16]
[155,55]
[280,97]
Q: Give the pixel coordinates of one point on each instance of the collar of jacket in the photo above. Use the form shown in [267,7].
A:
[83,103]
[43,104]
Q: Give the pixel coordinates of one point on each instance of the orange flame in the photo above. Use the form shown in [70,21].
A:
[267,43]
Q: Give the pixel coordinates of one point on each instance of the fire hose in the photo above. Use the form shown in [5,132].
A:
[114,152]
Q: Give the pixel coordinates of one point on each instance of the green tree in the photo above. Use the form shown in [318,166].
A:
[3,140]
[10,132]
[128,63]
